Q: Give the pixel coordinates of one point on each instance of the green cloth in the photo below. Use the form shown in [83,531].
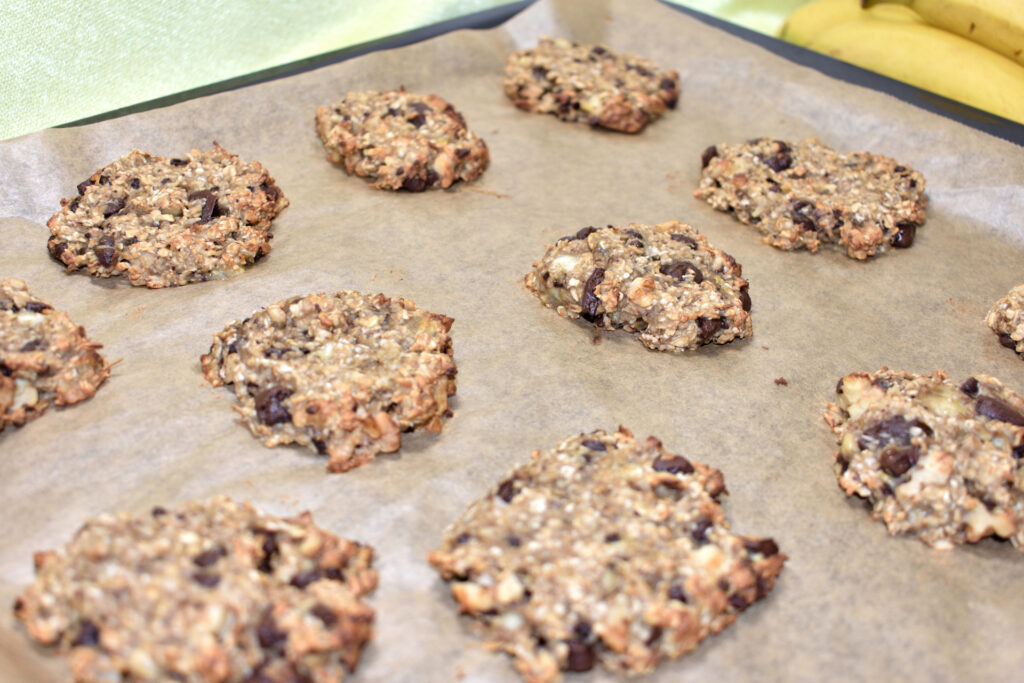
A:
[63,61]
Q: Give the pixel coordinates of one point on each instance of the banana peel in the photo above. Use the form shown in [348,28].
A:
[809,21]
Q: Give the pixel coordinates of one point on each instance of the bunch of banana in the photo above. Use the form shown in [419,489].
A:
[967,50]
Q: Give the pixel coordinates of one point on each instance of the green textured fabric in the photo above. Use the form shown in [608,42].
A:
[64,61]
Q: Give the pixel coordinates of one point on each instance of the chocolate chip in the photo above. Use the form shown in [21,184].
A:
[598,50]
[270,551]
[679,270]
[738,601]
[514,541]
[269,406]
[594,445]
[582,233]
[56,248]
[414,184]
[798,211]
[590,302]
[461,152]
[673,464]
[899,169]
[839,385]
[113,207]
[209,204]
[655,636]
[158,511]
[708,327]
[420,107]
[73,205]
[904,236]
[267,632]
[208,557]
[107,256]
[995,409]
[88,634]
[37,306]
[612,537]
[1018,450]
[540,72]
[506,489]
[779,162]
[894,429]
[84,184]
[134,183]
[582,630]
[676,592]
[33,345]
[335,574]
[271,191]
[319,444]
[1007,341]
[179,162]
[205,579]
[896,461]
[764,546]
[700,529]
[129,241]
[462,538]
[581,657]
[970,386]
[304,578]
[417,120]
[686,239]
[745,298]
[324,614]
[705,158]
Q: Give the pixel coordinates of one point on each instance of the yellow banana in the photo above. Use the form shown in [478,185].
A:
[996,24]
[932,59]
[809,21]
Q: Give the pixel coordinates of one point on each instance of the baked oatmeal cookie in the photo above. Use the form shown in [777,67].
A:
[1007,320]
[401,140]
[942,461]
[605,549]
[590,84]
[805,195]
[44,357]
[344,374]
[166,222]
[663,282]
[205,591]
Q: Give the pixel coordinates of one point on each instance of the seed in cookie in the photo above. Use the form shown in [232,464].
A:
[663,282]
[44,357]
[204,591]
[1007,320]
[344,374]
[166,222]
[603,550]
[590,84]
[401,140]
[937,459]
[804,195]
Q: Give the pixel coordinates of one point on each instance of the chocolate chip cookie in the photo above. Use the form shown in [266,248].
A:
[942,461]
[590,84]
[401,140]
[205,591]
[663,282]
[1007,320]
[166,222]
[805,195]
[606,549]
[344,374]
[44,357]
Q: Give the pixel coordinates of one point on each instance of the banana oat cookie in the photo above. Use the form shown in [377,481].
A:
[44,357]
[605,549]
[663,282]
[590,84]
[804,195]
[1007,320]
[942,461]
[401,140]
[167,222]
[206,591]
[344,374]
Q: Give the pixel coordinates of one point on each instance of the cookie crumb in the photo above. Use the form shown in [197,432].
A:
[781,381]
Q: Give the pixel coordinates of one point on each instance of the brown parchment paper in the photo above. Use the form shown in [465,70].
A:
[852,603]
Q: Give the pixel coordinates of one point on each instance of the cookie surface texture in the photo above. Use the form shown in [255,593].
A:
[205,591]
[590,84]
[1007,320]
[344,374]
[45,359]
[604,550]
[936,459]
[401,140]
[805,195]
[663,282]
[165,222]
